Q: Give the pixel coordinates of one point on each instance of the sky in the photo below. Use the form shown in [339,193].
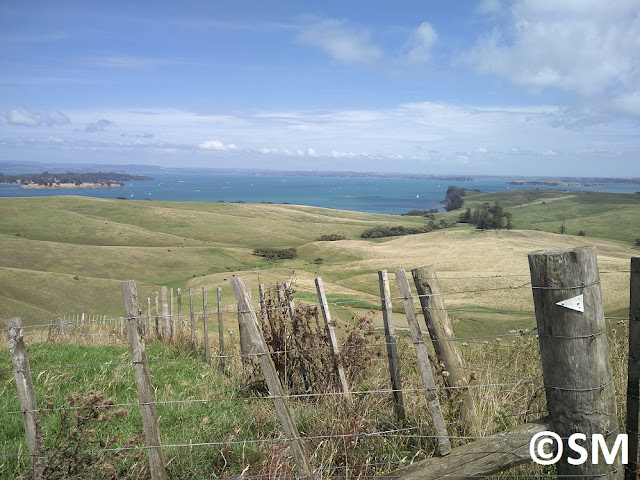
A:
[521,87]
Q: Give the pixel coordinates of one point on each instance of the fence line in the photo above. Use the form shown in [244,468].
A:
[480,340]
[232,309]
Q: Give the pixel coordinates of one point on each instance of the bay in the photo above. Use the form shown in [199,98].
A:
[364,194]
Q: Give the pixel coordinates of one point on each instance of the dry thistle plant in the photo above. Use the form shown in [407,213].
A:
[302,355]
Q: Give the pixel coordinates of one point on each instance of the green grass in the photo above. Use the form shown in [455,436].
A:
[66,255]
[176,373]
[614,216]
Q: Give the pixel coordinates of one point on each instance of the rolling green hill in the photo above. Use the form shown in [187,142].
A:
[64,255]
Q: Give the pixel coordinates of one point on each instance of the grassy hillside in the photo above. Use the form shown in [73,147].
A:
[615,216]
[66,255]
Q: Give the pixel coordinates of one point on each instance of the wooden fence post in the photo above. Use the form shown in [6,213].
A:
[263,305]
[143,382]
[577,374]
[165,313]
[205,325]
[172,318]
[258,347]
[633,379]
[27,398]
[148,326]
[244,338]
[179,323]
[280,290]
[333,341]
[220,328]
[392,348]
[288,295]
[192,314]
[157,317]
[423,363]
[443,339]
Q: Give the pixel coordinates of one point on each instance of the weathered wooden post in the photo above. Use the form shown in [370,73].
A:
[172,318]
[333,341]
[157,317]
[423,363]
[263,305]
[243,334]
[61,325]
[633,380]
[205,325]
[392,348]
[288,295]
[143,382]
[258,348]
[179,300]
[192,314]
[27,398]
[165,313]
[148,327]
[572,334]
[443,339]
[220,328]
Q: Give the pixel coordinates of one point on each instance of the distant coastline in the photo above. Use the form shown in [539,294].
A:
[70,180]
[56,186]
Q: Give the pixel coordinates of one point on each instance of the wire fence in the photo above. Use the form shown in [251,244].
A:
[511,384]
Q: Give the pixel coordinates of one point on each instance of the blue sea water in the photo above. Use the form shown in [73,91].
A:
[365,194]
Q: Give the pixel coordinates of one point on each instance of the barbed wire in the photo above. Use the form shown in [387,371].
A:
[274,397]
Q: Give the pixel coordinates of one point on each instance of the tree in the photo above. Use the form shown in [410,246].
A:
[562,228]
[465,217]
[508,216]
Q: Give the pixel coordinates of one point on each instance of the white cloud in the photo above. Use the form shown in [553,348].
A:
[590,48]
[336,154]
[549,153]
[420,44]
[312,153]
[481,150]
[217,145]
[27,118]
[343,42]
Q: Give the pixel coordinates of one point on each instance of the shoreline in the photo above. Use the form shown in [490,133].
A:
[62,186]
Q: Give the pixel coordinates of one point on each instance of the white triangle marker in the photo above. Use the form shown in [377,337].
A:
[574,303]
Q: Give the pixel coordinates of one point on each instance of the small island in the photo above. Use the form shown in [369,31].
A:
[46,180]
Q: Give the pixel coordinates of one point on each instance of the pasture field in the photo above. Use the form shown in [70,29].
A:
[66,255]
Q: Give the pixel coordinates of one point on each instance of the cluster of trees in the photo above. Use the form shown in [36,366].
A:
[333,237]
[380,231]
[486,217]
[275,254]
[423,213]
[46,178]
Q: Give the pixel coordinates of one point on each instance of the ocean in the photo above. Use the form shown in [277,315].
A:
[364,194]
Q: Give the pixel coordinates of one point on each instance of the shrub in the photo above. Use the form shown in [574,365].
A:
[318,260]
[331,238]
[581,233]
[637,242]
[305,361]
[275,254]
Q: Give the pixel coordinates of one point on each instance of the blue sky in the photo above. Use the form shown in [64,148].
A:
[523,87]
